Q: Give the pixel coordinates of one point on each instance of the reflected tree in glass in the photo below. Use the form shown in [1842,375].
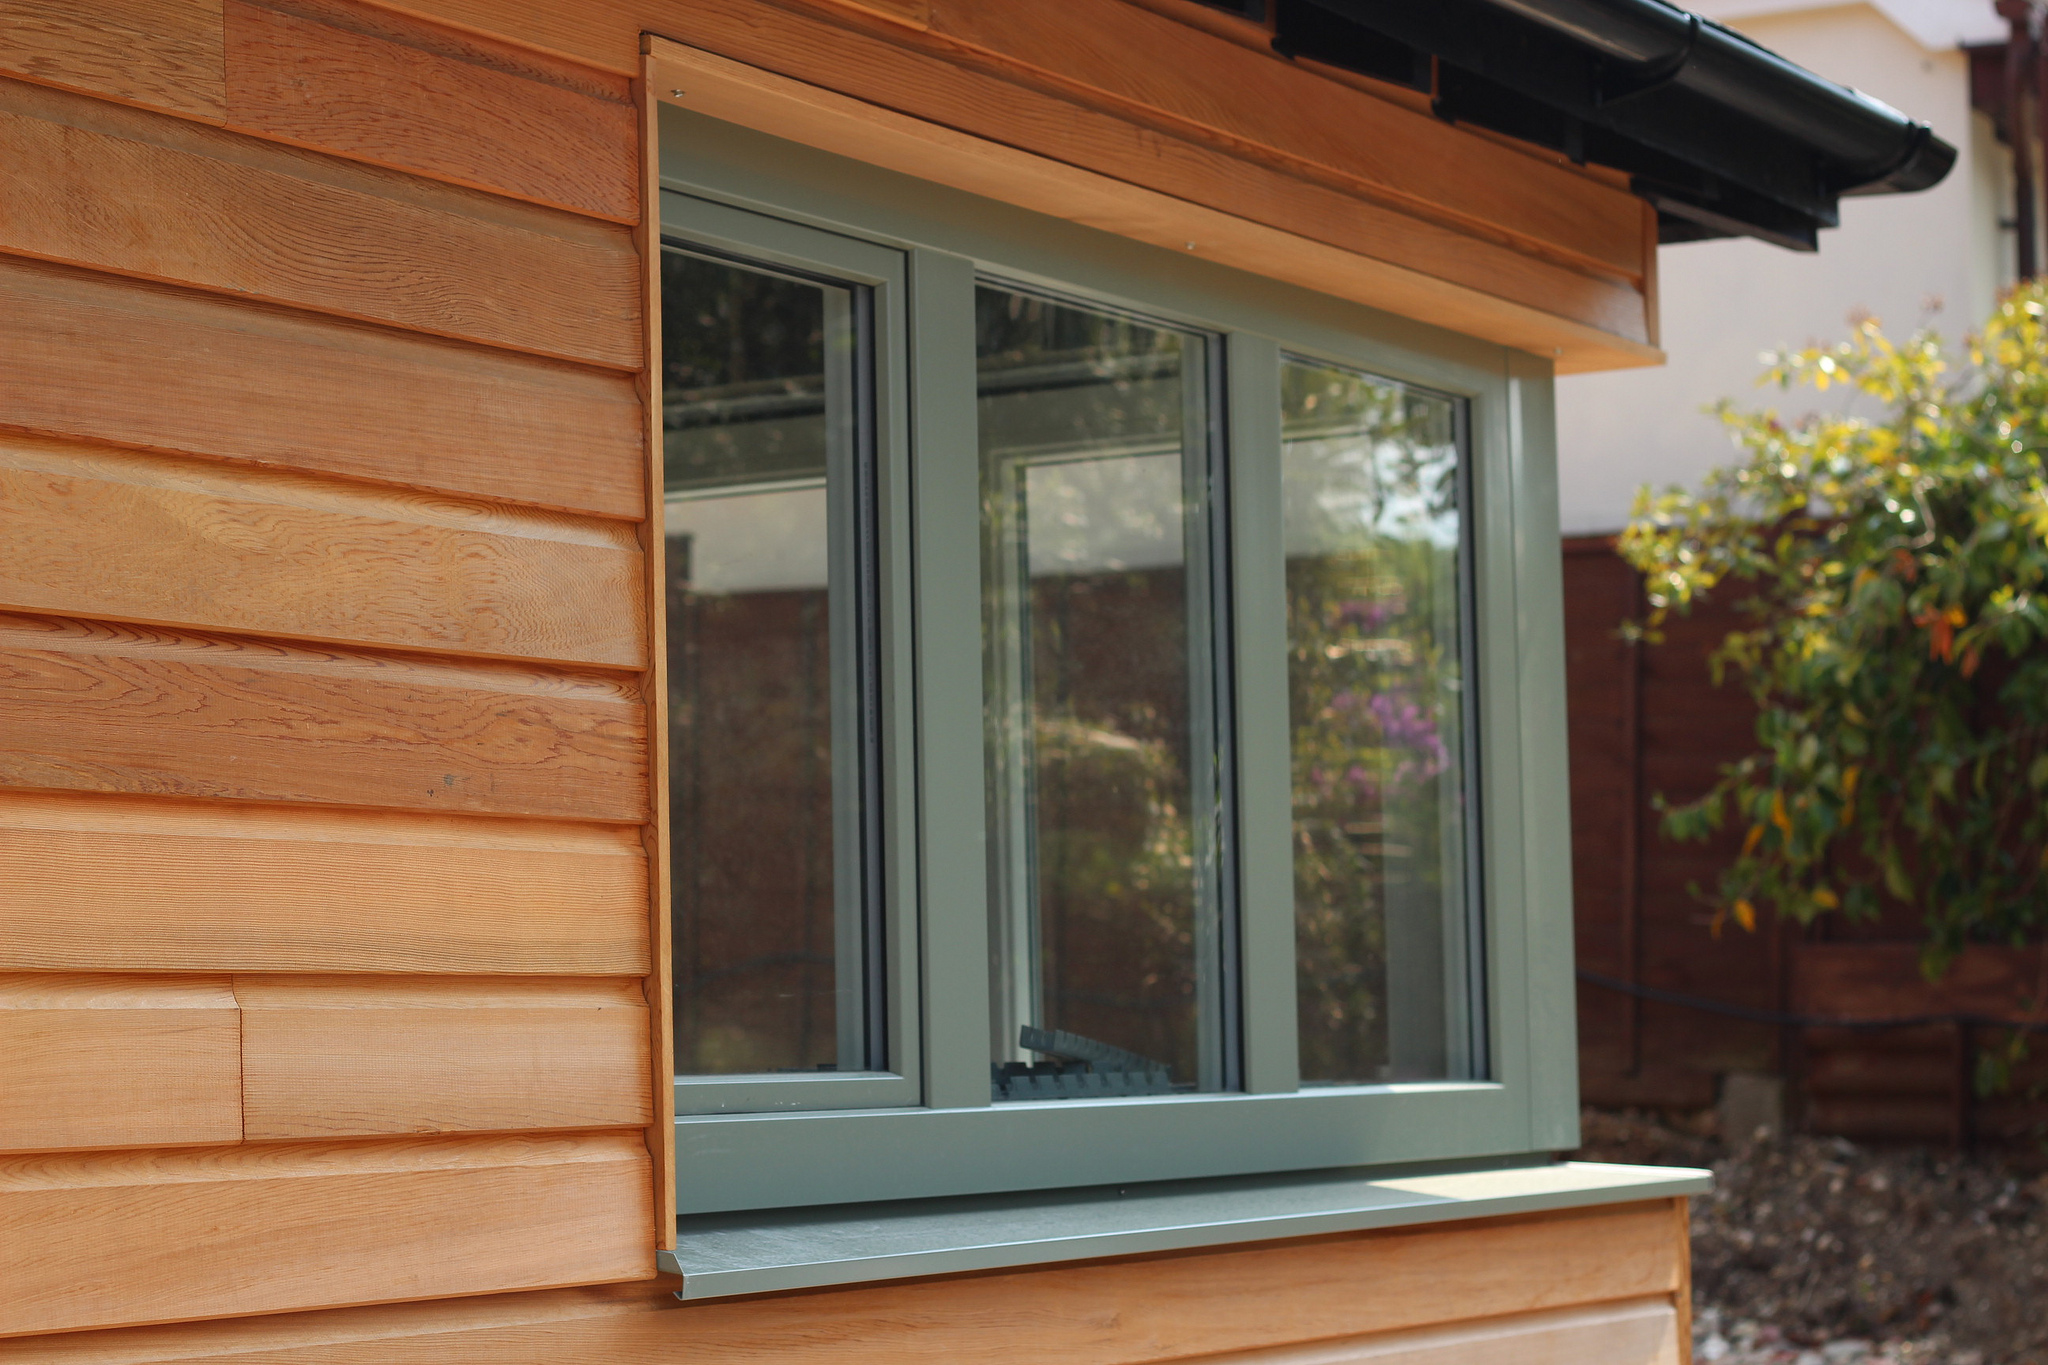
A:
[1373,533]
[1101,738]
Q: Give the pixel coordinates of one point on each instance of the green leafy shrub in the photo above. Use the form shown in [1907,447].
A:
[1896,642]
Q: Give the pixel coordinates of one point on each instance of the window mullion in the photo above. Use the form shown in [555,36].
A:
[946,501]
[1264,779]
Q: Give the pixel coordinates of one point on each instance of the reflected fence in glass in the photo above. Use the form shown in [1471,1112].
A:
[1109,957]
[766,457]
[1373,487]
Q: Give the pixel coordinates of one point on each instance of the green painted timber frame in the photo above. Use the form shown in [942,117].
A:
[926,1128]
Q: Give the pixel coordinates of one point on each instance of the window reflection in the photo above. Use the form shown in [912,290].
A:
[762,447]
[1103,758]
[1374,533]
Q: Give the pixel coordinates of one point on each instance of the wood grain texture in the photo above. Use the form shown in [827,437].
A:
[555,1326]
[117,1061]
[601,33]
[1681,1297]
[343,1056]
[1069,134]
[138,1237]
[380,87]
[139,883]
[99,185]
[164,53]
[1101,1313]
[95,531]
[1633,1332]
[660,984]
[116,360]
[916,13]
[1157,71]
[1553,326]
[114,708]
[1230,163]
[1211,1302]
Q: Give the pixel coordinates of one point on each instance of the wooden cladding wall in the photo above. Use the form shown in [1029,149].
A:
[1604,1286]
[327,969]
[1280,168]
[324,777]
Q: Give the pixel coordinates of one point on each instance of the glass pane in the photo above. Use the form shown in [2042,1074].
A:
[1377,699]
[1107,952]
[762,429]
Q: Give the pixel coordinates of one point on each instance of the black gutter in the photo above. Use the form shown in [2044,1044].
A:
[1725,137]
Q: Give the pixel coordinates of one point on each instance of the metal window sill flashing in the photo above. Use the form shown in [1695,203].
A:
[720,1255]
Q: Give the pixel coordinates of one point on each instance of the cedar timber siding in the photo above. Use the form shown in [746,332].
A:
[332,955]
[326,949]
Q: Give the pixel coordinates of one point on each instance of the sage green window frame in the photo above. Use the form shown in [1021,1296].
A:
[751,238]
[947,1138]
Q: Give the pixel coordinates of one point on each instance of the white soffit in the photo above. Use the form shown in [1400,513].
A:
[1935,24]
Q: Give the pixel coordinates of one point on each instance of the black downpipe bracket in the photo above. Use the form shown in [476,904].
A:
[1725,137]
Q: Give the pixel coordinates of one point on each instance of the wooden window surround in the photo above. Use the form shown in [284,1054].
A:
[1582,317]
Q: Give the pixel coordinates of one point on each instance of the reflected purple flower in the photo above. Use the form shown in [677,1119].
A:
[1406,725]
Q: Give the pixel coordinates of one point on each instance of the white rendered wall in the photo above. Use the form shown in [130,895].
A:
[1936,258]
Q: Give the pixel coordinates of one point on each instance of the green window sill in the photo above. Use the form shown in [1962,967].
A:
[723,1254]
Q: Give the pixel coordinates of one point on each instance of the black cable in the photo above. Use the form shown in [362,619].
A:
[1701,1003]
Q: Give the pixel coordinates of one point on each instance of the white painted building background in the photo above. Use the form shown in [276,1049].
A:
[1935,258]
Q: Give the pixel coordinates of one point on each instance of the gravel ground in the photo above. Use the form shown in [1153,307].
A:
[1813,1251]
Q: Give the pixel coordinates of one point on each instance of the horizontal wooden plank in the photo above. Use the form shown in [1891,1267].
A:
[541,1327]
[1178,1307]
[1884,1118]
[1160,72]
[164,53]
[141,883]
[1633,1332]
[1234,1300]
[1884,980]
[337,1056]
[1112,129]
[115,360]
[95,531]
[602,33]
[1860,1073]
[376,86]
[96,184]
[1156,70]
[87,706]
[917,13]
[117,1061]
[1577,319]
[620,1325]
[1014,118]
[138,1237]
